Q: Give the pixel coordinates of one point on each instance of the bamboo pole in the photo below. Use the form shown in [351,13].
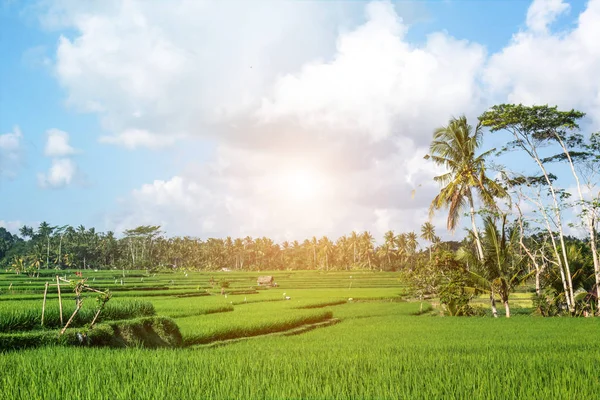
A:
[78,290]
[59,301]
[72,316]
[44,303]
[95,317]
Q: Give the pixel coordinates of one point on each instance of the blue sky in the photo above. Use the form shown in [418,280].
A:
[198,171]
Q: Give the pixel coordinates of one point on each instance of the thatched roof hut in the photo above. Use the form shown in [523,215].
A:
[266,280]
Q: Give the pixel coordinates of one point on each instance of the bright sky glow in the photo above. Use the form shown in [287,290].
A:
[302,185]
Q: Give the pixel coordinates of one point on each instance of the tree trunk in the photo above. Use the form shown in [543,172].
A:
[507,308]
[538,290]
[60,251]
[592,231]
[596,268]
[590,222]
[493,304]
[475,232]
[48,253]
[560,268]
[557,214]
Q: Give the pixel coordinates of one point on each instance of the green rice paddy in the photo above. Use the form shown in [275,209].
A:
[350,335]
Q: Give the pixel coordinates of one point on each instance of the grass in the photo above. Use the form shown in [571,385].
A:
[27,315]
[380,349]
[389,356]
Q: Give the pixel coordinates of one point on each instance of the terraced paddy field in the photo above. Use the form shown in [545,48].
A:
[175,336]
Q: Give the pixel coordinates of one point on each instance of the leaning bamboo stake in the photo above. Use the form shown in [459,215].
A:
[78,290]
[104,299]
[72,316]
[59,301]
[44,303]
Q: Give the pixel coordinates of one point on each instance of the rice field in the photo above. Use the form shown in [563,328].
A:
[344,335]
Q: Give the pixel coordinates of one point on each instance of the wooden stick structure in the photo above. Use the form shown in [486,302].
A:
[79,302]
[59,300]
[44,303]
[104,300]
[80,286]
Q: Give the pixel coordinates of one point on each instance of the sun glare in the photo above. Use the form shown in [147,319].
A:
[301,184]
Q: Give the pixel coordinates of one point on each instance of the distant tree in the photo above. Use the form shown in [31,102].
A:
[428,233]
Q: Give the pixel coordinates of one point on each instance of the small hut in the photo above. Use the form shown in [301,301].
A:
[266,280]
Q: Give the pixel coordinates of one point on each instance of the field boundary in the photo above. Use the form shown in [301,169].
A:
[290,332]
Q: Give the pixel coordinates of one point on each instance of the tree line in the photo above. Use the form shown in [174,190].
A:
[147,247]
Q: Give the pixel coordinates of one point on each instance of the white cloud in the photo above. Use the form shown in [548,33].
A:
[63,169]
[11,153]
[380,85]
[57,144]
[135,138]
[166,67]
[543,67]
[61,173]
[11,226]
[288,86]
[542,13]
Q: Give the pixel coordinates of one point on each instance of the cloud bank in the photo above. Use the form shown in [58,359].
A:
[283,87]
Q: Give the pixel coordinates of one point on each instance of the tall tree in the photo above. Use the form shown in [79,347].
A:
[533,127]
[455,147]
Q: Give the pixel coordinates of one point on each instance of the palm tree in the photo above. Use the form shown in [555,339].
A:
[503,267]
[326,249]
[367,244]
[428,233]
[389,241]
[314,244]
[454,147]
[45,230]
[353,241]
[400,242]
[411,243]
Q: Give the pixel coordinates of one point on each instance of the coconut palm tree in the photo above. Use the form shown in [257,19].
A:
[428,233]
[454,147]
[353,241]
[411,243]
[326,248]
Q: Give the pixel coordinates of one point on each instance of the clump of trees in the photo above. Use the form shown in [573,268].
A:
[515,246]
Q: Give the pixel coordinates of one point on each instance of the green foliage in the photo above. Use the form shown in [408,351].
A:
[456,297]
[539,122]
[546,305]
